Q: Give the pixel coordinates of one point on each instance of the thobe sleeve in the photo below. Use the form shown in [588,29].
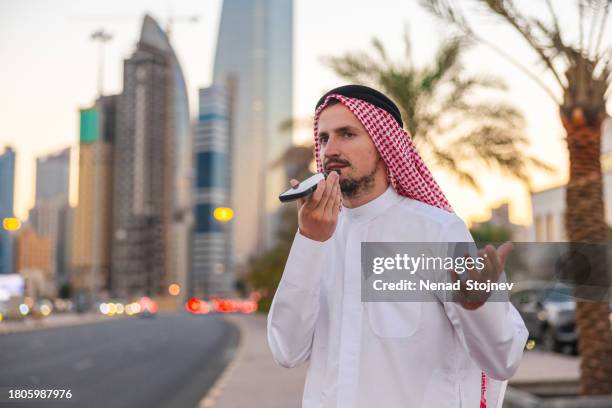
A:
[295,307]
[494,335]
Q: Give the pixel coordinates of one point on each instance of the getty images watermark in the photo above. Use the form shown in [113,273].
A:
[421,271]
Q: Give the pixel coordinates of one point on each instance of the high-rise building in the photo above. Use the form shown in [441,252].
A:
[92,226]
[152,171]
[211,269]
[33,252]
[7,188]
[52,175]
[255,52]
[50,216]
[33,261]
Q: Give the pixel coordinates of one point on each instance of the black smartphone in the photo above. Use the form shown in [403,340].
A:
[304,189]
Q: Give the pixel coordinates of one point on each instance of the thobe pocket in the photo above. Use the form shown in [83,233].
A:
[394,319]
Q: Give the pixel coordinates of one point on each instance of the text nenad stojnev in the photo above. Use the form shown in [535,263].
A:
[404,284]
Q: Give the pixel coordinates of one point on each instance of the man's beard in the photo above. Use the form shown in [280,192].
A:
[352,188]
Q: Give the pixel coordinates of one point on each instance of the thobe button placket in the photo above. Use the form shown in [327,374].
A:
[348,370]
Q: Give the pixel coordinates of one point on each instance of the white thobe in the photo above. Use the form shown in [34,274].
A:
[387,354]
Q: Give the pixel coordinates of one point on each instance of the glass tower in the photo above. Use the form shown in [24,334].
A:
[212,270]
[255,54]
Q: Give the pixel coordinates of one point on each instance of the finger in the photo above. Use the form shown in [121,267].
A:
[503,251]
[487,263]
[331,201]
[475,273]
[329,205]
[329,186]
[300,201]
[494,270]
[315,198]
[497,265]
[479,255]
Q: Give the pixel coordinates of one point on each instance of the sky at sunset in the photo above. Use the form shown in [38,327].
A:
[49,71]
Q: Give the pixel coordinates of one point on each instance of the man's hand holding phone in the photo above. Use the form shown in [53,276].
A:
[318,212]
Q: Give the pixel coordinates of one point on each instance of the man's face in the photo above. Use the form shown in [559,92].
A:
[346,147]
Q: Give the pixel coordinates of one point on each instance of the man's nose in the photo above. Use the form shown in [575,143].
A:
[331,148]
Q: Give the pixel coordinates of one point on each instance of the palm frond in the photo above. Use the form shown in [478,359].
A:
[446,160]
[379,47]
[447,58]
[443,10]
[407,44]
[508,12]
[437,103]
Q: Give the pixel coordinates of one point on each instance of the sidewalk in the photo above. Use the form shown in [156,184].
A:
[542,366]
[254,380]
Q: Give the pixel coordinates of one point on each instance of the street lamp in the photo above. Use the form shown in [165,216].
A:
[11,224]
[174,289]
[223,214]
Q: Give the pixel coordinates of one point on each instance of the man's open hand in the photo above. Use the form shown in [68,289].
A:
[494,261]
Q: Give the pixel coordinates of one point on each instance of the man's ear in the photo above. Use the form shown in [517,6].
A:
[381,163]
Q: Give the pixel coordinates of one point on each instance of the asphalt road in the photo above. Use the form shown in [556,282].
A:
[167,361]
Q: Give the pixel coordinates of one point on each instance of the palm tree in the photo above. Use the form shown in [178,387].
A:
[581,70]
[452,128]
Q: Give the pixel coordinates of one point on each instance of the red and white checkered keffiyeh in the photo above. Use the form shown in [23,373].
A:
[405,169]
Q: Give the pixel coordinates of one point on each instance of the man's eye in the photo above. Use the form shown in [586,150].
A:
[323,140]
[348,134]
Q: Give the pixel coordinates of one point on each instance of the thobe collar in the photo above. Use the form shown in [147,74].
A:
[374,208]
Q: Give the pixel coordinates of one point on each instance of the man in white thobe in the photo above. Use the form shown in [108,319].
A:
[382,354]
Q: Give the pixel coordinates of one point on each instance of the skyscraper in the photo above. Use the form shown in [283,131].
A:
[7,189]
[33,257]
[255,51]
[52,174]
[212,269]
[92,227]
[50,216]
[152,170]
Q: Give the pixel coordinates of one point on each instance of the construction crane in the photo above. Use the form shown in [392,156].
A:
[102,37]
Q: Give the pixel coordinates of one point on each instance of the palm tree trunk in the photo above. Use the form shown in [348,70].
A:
[585,223]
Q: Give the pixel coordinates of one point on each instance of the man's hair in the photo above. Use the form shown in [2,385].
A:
[332,102]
